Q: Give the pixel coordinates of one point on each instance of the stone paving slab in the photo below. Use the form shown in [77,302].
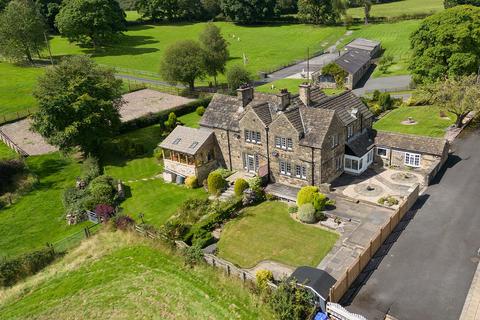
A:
[471,308]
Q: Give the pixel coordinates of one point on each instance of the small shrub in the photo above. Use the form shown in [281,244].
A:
[376,95]
[90,169]
[202,238]
[253,196]
[123,222]
[193,255]
[255,182]
[263,277]
[270,197]
[310,194]
[388,201]
[191,182]
[216,183]
[385,101]
[104,212]
[376,109]
[102,190]
[330,203]
[306,213]
[200,110]
[291,302]
[225,173]
[240,186]
[171,121]
[292,209]
[158,154]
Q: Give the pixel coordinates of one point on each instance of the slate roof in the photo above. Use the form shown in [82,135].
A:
[363,44]
[223,112]
[359,146]
[186,140]
[353,60]
[343,104]
[295,118]
[317,279]
[316,122]
[264,113]
[408,142]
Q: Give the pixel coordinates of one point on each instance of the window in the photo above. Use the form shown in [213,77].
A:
[284,143]
[193,145]
[370,156]
[285,168]
[177,141]
[382,152]
[338,163]
[348,163]
[334,140]
[253,136]
[412,159]
[210,155]
[301,172]
[349,131]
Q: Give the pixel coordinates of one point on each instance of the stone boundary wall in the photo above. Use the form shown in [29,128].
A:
[344,282]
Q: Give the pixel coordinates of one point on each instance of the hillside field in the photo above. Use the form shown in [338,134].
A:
[399,8]
[120,276]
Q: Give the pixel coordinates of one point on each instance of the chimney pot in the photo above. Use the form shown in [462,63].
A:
[245,94]
[284,97]
[304,93]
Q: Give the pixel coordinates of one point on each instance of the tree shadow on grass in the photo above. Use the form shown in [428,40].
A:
[47,167]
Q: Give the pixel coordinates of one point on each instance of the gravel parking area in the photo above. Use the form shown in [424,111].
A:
[143,102]
[31,142]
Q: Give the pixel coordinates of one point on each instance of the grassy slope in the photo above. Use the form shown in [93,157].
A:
[38,216]
[399,8]
[190,120]
[428,118]
[6,152]
[118,276]
[268,232]
[395,38]
[16,86]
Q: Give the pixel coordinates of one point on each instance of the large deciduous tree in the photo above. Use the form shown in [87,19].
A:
[78,104]
[91,22]
[236,76]
[171,10]
[21,30]
[446,44]
[183,62]
[215,50]
[249,11]
[319,11]
[452,3]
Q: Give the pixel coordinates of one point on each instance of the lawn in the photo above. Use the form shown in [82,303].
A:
[16,87]
[37,218]
[428,118]
[118,276]
[190,120]
[399,8]
[395,39]
[6,152]
[268,232]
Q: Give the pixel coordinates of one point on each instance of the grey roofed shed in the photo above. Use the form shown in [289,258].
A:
[353,60]
[363,44]
[186,140]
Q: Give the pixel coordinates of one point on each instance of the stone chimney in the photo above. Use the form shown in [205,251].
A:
[284,99]
[245,94]
[304,93]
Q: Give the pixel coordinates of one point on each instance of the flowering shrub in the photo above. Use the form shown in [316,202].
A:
[104,212]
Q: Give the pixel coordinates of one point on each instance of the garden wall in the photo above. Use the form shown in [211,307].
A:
[345,281]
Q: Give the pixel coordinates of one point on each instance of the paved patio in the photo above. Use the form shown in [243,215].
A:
[31,142]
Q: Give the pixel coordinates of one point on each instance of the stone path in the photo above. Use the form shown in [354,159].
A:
[278,269]
[471,308]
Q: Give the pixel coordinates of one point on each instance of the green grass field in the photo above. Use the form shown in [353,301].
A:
[119,276]
[268,232]
[399,8]
[190,120]
[16,87]
[395,39]
[429,121]
[37,218]
[6,152]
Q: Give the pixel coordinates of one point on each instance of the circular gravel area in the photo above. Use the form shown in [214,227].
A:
[368,189]
[404,177]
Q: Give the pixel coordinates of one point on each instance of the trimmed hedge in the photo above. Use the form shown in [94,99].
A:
[191,182]
[14,270]
[240,186]
[216,183]
[162,116]
[310,194]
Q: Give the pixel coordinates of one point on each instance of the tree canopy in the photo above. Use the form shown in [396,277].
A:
[171,10]
[446,44]
[21,30]
[236,76]
[320,11]
[78,104]
[91,22]
[452,3]
[249,11]
[183,62]
[215,50]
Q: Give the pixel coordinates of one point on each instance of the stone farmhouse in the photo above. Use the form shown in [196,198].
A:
[294,140]
[355,59]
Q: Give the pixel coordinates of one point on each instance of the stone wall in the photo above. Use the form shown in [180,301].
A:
[328,169]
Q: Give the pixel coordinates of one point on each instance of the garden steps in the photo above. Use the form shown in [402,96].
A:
[227,194]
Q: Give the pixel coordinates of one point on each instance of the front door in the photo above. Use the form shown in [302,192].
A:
[250,163]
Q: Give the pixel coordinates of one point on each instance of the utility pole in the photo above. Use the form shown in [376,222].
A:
[308,65]
[48,47]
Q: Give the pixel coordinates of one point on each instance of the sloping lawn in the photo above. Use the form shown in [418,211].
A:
[118,276]
[191,119]
[395,39]
[6,152]
[267,231]
[157,200]
[428,120]
[399,8]
[37,218]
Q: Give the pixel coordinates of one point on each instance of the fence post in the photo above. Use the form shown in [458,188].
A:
[87,233]
[244,276]
[228,270]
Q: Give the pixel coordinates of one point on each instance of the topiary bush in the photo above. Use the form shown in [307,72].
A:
[200,110]
[191,182]
[306,213]
[216,183]
[310,194]
[240,186]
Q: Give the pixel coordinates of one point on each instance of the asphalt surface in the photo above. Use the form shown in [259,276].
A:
[315,64]
[427,272]
[393,83]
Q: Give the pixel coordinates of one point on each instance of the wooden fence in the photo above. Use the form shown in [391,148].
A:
[15,116]
[12,145]
[344,282]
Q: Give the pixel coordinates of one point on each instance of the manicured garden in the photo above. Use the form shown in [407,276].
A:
[38,216]
[395,39]
[399,8]
[428,118]
[267,231]
[114,274]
